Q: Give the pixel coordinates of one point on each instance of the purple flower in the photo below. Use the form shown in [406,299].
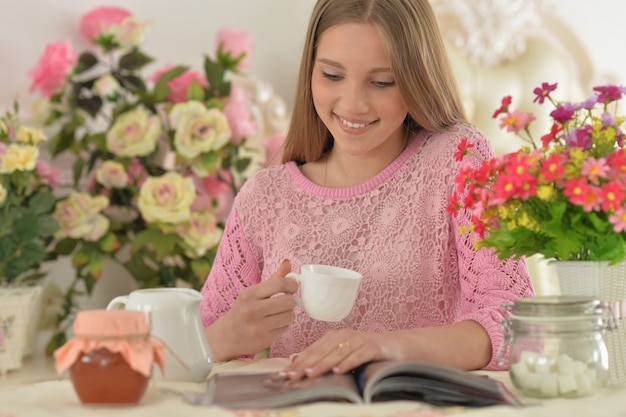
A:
[607,120]
[589,103]
[543,92]
[609,93]
[564,112]
[579,138]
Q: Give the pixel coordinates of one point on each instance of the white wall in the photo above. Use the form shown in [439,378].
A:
[183,30]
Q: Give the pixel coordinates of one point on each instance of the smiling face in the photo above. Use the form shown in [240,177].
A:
[355,92]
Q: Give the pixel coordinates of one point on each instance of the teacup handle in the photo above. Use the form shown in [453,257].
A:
[117,302]
[295,276]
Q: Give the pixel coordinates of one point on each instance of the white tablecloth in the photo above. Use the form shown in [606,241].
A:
[57,398]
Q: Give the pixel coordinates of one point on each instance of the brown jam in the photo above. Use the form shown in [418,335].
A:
[103,377]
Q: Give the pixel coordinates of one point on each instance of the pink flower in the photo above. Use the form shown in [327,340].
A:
[273,149]
[238,114]
[179,85]
[53,68]
[516,121]
[619,221]
[99,20]
[48,175]
[212,194]
[235,42]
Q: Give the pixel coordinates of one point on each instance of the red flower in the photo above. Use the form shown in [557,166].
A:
[504,106]
[463,149]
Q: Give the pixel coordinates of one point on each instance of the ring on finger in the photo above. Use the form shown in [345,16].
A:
[342,345]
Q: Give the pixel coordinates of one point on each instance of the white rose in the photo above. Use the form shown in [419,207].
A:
[198,129]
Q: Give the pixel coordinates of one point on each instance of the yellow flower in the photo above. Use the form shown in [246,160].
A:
[112,174]
[198,129]
[134,133]
[166,198]
[30,135]
[79,216]
[19,158]
[200,233]
[545,192]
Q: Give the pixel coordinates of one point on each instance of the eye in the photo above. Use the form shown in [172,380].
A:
[332,77]
[383,84]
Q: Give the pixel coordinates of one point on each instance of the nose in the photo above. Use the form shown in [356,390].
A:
[354,99]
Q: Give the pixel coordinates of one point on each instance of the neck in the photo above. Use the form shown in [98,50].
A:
[342,170]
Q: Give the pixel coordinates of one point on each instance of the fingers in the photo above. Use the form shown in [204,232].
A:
[338,352]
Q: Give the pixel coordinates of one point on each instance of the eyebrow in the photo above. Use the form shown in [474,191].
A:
[338,65]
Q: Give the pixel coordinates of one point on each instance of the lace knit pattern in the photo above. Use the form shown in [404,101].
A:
[417,269]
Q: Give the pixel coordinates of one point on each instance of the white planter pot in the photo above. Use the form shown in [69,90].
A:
[17,308]
[607,283]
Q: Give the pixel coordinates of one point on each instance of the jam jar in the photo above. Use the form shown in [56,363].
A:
[111,356]
[556,345]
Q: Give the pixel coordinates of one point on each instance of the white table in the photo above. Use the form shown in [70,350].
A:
[36,391]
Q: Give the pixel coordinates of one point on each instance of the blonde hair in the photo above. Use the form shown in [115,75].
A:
[418,58]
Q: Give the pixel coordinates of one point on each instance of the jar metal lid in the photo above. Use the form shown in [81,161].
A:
[556,306]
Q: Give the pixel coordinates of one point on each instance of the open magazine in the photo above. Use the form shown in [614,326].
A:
[432,383]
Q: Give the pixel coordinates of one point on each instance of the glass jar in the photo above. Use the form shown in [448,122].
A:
[111,356]
[556,345]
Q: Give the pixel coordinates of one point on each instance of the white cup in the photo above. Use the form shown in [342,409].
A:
[327,292]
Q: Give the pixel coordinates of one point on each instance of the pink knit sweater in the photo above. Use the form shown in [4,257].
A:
[418,270]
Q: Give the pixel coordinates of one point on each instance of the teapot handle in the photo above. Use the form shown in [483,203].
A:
[117,302]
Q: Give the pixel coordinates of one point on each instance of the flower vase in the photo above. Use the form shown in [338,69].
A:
[17,304]
[607,283]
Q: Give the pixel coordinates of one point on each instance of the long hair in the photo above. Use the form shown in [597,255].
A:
[419,62]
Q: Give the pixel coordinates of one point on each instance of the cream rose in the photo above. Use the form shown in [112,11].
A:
[166,198]
[200,233]
[130,32]
[198,129]
[3,194]
[19,158]
[30,135]
[112,174]
[134,133]
[79,216]
[106,86]
[41,111]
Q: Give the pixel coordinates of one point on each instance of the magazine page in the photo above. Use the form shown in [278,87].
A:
[271,390]
[433,383]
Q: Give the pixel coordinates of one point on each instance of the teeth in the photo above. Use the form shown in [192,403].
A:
[353,125]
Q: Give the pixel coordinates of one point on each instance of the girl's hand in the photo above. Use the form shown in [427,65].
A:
[260,314]
[339,351]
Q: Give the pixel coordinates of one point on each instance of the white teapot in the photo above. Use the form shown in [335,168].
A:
[176,322]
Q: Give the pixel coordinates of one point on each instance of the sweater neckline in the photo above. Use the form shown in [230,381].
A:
[310,187]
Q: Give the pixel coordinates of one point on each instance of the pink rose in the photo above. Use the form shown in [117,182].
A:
[237,112]
[99,20]
[179,85]
[53,68]
[235,42]
[48,175]
[273,149]
[213,194]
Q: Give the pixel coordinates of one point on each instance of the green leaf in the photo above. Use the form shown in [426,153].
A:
[48,226]
[242,164]
[132,83]
[91,105]
[56,341]
[134,60]
[144,238]
[161,90]
[26,226]
[195,91]
[33,252]
[66,246]
[42,203]
[86,61]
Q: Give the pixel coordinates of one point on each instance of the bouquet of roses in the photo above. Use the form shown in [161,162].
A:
[564,198]
[157,160]
[26,201]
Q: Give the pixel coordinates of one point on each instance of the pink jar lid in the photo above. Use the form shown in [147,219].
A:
[124,331]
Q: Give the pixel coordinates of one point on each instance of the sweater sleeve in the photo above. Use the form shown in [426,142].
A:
[234,269]
[486,281]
